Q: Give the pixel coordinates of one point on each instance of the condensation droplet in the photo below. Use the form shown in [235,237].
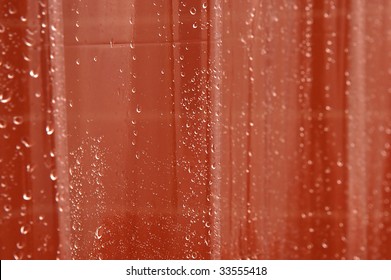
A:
[138,109]
[20,245]
[25,142]
[12,9]
[25,229]
[7,207]
[27,196]
[5,99]
[98,234]
[18,256]
[3,124]
[193,11]
[17,120]
[49,129]
[33,74]
[53,175]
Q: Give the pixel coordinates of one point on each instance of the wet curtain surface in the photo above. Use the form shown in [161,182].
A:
[195,129]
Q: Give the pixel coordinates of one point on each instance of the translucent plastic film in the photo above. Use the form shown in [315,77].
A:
[197,129]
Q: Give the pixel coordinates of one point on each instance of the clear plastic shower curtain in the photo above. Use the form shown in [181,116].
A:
[213,129]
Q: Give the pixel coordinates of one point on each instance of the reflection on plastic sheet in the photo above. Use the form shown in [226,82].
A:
[213,129]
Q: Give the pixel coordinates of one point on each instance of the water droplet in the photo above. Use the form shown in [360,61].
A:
[193,11]
[27,43]
[20,245]
[95,59]
[26,142]
[2,28]
[33,74]
[77,61]
[98,234]
[49,129]
[5,98]
[195,25]
[18,256]
[53,175]
[25,229]
[18,120]
[27,196]
[194,255]
[138,109]
[7,207]
[3,124]
[12,9]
